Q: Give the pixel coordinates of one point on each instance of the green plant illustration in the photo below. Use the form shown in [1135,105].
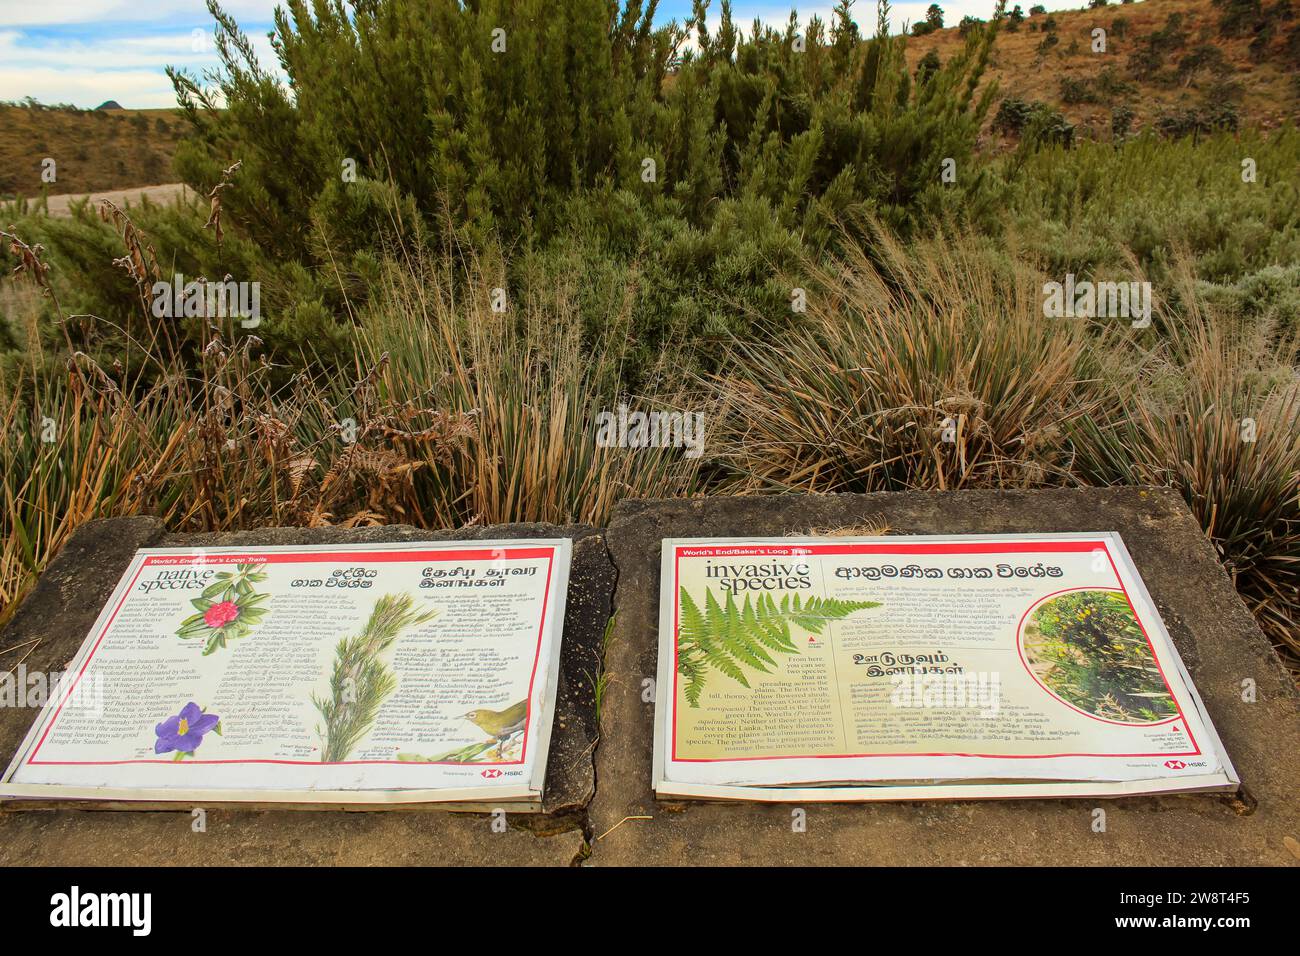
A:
[1088,649]
[361,681]
[472,753]
[228,608]
[732,637]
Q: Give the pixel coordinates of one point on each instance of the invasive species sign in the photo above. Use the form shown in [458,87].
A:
[921,667]
[377,673]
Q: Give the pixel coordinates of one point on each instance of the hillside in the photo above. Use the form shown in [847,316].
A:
[94,150]
[1264,86]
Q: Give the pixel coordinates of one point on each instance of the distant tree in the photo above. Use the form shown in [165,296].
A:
[1146,61]
[1173,36]
[1239,18]
[1180,122]
[1121,122]
[1206,57]
[933,21]
[1033,121]
[929,65]
[1037,10]
[1076,90]
[1268,28]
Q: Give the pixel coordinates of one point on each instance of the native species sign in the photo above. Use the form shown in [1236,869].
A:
[367,674]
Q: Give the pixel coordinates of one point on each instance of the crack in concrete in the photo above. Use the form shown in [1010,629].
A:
[587,850]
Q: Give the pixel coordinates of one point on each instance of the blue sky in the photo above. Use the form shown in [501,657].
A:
[88,51]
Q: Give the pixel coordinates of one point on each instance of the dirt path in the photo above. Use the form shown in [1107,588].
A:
[62,205]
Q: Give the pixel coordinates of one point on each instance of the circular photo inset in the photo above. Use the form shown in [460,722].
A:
[1087,648]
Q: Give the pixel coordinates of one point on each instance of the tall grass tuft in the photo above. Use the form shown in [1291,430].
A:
[916,367]
[1214,411]
[534,383]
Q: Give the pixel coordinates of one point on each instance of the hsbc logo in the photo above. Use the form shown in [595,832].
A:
[491,773]
[1175,765]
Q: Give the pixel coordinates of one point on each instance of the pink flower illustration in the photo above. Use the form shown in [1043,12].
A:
[219,615]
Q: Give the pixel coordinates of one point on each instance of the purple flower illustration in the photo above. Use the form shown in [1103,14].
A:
[184,732]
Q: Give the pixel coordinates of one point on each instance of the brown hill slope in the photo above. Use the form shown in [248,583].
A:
[1264,86]
[93,150]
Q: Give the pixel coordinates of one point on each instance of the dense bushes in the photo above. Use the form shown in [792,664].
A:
[1035,122]
[1097,206]
[700,171]
[475,113]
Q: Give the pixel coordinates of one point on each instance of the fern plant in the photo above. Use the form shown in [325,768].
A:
[361,681]
[735,636]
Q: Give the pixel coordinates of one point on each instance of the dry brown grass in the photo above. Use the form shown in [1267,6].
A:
[902,345]
[451,415]
[1270,95]
[454,414]
[94,151]
[534,385]
[1214,411]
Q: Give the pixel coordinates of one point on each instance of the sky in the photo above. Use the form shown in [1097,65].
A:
[87,51]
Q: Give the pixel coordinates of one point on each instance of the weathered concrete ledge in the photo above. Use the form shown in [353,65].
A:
[62,609]
[1215,634]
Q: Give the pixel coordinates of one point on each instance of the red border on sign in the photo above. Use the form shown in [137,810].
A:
[254,557]
[904,548]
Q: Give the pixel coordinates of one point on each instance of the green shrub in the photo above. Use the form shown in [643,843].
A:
[1035,122]
[1094,205]
[1238,17]
[1105,87]
[496,139]
[1121,122]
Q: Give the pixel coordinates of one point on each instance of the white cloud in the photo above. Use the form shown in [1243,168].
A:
[24,13]
[88,72]
[137,89]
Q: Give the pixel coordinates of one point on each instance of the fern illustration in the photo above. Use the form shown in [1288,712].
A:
[361,681]
[731,638]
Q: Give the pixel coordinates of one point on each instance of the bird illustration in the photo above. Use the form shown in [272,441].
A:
[500,725]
